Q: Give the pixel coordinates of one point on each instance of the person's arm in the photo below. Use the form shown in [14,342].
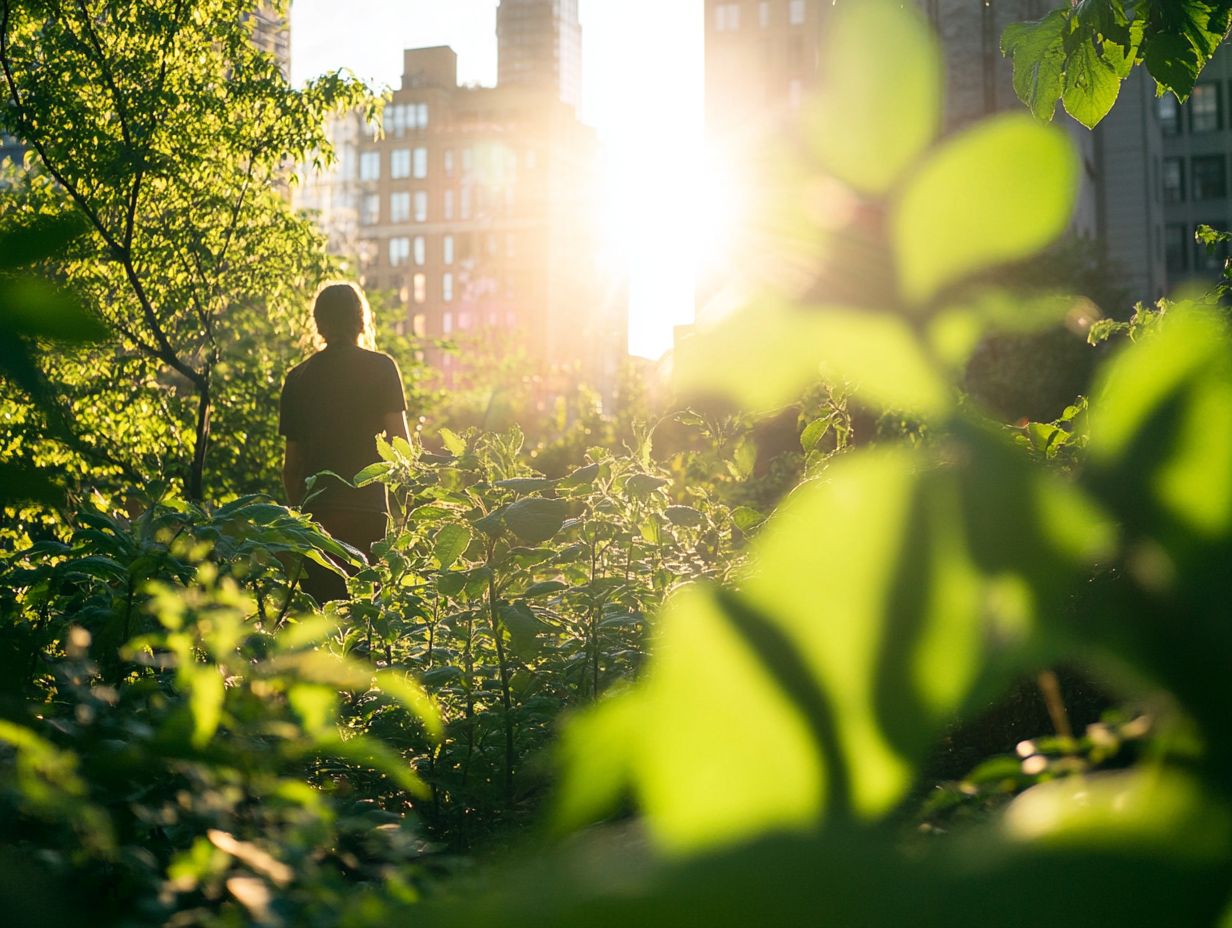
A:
[393,424]
[293,475]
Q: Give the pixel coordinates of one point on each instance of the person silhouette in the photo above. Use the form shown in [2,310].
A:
[332,408]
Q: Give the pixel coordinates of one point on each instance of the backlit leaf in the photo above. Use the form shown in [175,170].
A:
[996,193]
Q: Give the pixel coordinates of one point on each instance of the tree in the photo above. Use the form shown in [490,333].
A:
[163,125]
[1080,53]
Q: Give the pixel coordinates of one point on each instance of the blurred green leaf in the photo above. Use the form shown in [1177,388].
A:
[995,193]
[875,113]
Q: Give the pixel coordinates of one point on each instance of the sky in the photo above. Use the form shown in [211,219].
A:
[642,68]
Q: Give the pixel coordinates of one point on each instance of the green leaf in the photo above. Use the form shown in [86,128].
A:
[46,238]
[493,523]
[996,193]
[524,628]
[453,443]
[766,356]
[35,308]
[746,518]
[413,698]
[526,484]
[1091,85]
[1161,429]
[206,694]
[544,588]
[534,519]
[1173,61]
[813,433]
[640,486]
[684,515]
[880,100]
[582,476]
[372,473]
[450,543]
[1037,50]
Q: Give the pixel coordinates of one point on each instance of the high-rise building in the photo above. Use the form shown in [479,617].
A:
[476,209]
[762,63]
[1192,172]
[539,46]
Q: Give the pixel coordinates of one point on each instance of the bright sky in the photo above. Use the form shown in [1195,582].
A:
[642,62]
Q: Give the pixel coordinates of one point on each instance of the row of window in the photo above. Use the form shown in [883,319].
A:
[727,15]
[1180,241]
[401,117]
[413,162]
[1204,106]
[414,248]
[1208,178]
[419,288]
[464,203]
[464,321]
[405,248]
[403,162]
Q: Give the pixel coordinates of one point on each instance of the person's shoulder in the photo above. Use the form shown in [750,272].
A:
[378,358]
[298,370]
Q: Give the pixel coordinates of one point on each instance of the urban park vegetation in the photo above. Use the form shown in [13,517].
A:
[692,676]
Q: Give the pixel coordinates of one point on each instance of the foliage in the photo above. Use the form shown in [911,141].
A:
[169,723]
[514,596]
[171,148]
[759,671]
[1079,54]
[783,719]
[34,311]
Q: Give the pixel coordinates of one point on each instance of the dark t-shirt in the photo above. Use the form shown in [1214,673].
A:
[334,405]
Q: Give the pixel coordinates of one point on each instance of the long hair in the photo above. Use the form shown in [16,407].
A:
[342,315]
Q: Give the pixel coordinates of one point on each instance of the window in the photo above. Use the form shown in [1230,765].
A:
[399,251]
[448,249]
[1208,174]
[419,325]
[421,206]
[396,119]
[420,163]
[468,160]
[447,288]
[1169,112]
[370,165]
[727,17]
[419,251]
[1174,180]
[1205,113]
[447,210]
[419,288]
[763,13]
[465,205]
[400,162]
[1176,247]
[1210,257]
[399,207]
[447,323]
[795,12]
[370,210]
[421,115]
[449,162]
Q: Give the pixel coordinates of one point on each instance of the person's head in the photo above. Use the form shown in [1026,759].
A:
[342,315]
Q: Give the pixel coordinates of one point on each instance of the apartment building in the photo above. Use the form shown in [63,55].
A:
[539,46]
[1196,142]
[476,209]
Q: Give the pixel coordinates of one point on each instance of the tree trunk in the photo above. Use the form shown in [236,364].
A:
[196,476]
